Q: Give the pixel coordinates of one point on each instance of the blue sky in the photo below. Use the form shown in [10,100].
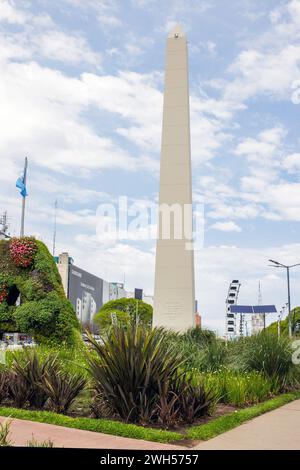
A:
[81,94]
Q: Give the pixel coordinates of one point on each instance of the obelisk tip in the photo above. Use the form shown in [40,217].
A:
[176,32]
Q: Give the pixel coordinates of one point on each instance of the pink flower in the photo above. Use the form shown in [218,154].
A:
[22,251]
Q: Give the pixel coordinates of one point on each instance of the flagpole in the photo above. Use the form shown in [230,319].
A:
[23,200]
[54,231]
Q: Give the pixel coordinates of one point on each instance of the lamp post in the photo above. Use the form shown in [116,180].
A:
[278,323]
[276,264]
[280,316]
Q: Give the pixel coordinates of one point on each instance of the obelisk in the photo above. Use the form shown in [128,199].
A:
[174,292]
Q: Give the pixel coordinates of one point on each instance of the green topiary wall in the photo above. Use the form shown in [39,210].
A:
[27,267]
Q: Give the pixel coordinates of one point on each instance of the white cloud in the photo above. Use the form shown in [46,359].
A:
[292,162]
[107,11]
[67,48]
[264,148]
[133,49]
[294,10]
[234,209]
[270,73]
[109,20]
[270,63]
[193,7]
[137,264]
[56,136]
[226,227]
[261,190]
[10,14]
[134,97]
[51,44]
[282,199]
[207,47]
[39,38]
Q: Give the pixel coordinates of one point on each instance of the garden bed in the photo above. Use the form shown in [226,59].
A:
[209,428]
[140,383]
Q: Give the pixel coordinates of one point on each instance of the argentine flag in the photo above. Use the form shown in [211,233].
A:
[20,184]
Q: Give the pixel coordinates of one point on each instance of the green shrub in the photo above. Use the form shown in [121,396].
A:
[61,387]
[214,356]
[52,317]
[200,336]
[32,369]
[239,389]
[71,358]
[139,376]
[18,389]
[130,364]
[270,355]
[191,351]
[183,401]
[201,349]
[3,385]
[126,311]
[5,313]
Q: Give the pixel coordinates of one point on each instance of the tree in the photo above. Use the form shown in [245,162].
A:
[124,311]
[284,324]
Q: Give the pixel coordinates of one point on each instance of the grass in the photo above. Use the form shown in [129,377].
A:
[232,420]
[72,359]
[201,432]
[239,388]
[4,434]
[106,426]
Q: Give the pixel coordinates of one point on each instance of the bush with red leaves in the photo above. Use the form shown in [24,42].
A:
[22,251]
[3,292]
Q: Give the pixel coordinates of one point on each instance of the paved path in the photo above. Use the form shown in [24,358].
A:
[276,430]
[22,431]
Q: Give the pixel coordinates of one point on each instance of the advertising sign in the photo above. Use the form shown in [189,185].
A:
[85,293]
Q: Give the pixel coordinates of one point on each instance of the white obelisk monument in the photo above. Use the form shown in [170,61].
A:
[174,293]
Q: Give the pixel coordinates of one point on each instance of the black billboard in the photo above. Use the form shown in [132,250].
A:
[138,294]
[85,293]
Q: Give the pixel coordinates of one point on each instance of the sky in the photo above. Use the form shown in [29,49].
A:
[81,89]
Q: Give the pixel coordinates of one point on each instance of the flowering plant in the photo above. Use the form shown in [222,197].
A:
[22,251]
[3,292]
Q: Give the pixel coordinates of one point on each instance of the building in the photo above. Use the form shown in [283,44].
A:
[258,319]
[88,292]
[4,226]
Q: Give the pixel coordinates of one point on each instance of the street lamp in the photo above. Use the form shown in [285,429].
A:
[276,264]
[278,323]
[280,316]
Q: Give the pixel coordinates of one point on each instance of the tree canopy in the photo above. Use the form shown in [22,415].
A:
[123,310]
